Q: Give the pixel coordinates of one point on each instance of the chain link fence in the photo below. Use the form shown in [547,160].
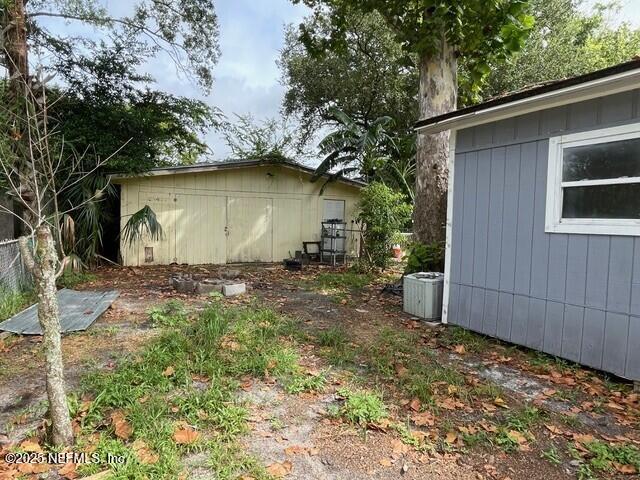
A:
[13,272]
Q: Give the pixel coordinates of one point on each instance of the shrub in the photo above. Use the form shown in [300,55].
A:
[425,258]
[383,213]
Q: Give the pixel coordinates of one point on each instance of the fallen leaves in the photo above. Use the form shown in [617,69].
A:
[300,450]
[185,435]
[553,429]
[517,437]
[625,468]
[144,453]
[451,438]
[68,471]
[279,470]
[120,425]
[488,427]
[30,445]
[460,349]
[424,419]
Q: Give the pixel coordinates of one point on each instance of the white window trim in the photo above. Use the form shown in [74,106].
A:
[554,223]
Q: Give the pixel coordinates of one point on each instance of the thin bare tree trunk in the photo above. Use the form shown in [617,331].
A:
[43,266]
[438,95]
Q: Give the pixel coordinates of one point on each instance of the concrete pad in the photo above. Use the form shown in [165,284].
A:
[234,289]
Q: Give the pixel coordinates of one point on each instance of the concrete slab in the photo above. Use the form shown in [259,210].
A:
[78,310]
[235,289]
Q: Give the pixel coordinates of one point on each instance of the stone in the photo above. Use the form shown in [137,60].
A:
[204,288]
[234,289]
[230,274]
[185,285]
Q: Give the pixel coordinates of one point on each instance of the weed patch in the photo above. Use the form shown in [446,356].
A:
[605,457]
[340,284]
[361,407]
[169,315]
[472,342]
[183,386]
[71,279]
[14,302]
[305,383]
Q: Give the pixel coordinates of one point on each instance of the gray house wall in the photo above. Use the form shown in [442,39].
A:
[574,296]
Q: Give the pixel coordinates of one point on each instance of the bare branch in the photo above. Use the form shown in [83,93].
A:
[63,266]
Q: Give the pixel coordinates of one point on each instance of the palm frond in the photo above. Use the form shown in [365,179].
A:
[144,221]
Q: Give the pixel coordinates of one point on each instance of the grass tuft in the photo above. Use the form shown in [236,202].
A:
[14,302]
[361,407]
[170,314]
[71,279]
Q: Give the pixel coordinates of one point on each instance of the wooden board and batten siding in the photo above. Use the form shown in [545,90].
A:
[248,214]
[576,296]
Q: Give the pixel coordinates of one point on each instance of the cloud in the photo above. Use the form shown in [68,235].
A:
[247,79]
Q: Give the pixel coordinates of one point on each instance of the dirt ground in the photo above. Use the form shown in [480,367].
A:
[296,433]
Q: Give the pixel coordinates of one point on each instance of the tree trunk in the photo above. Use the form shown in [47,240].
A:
[15,42]
[438,95]
[43,267]
[16,61]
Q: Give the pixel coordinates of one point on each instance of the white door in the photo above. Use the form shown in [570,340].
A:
[200,229]
[249,229]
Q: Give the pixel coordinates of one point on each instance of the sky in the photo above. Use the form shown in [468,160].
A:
[247,78]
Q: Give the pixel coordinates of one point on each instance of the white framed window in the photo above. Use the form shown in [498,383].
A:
[593,182]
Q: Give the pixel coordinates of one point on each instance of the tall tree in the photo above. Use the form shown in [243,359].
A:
[247,137]
[439,33]
[185,30]
[371,77]
[568,39]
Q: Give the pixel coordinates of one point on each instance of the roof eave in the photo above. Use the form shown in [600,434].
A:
[119,178]
[610,85]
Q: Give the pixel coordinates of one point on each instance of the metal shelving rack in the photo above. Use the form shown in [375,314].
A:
[333,241]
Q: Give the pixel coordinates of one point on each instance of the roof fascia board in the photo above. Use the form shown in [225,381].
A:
[119,178]
[621,82]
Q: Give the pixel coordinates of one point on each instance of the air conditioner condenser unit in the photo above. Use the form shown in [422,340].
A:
[422,295]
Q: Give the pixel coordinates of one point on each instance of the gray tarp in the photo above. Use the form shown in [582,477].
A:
[78,310]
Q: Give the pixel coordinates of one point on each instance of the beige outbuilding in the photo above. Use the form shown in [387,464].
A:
[239,211]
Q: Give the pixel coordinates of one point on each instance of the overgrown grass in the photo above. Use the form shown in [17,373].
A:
[603,456]
[335,346]
[339,285]
[517,422]
[472,342]
[71,279]
[14,302]
[361,407]
[160,390]
[546,362]
[302,382]
[169,315]
[343,280]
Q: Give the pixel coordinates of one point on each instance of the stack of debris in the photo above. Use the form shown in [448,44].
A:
[228,284]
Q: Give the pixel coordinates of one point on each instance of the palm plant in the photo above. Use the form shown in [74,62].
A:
[142,222]
[354,149]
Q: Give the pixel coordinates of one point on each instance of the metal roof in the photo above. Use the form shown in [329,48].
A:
[230,165]
[621,77]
